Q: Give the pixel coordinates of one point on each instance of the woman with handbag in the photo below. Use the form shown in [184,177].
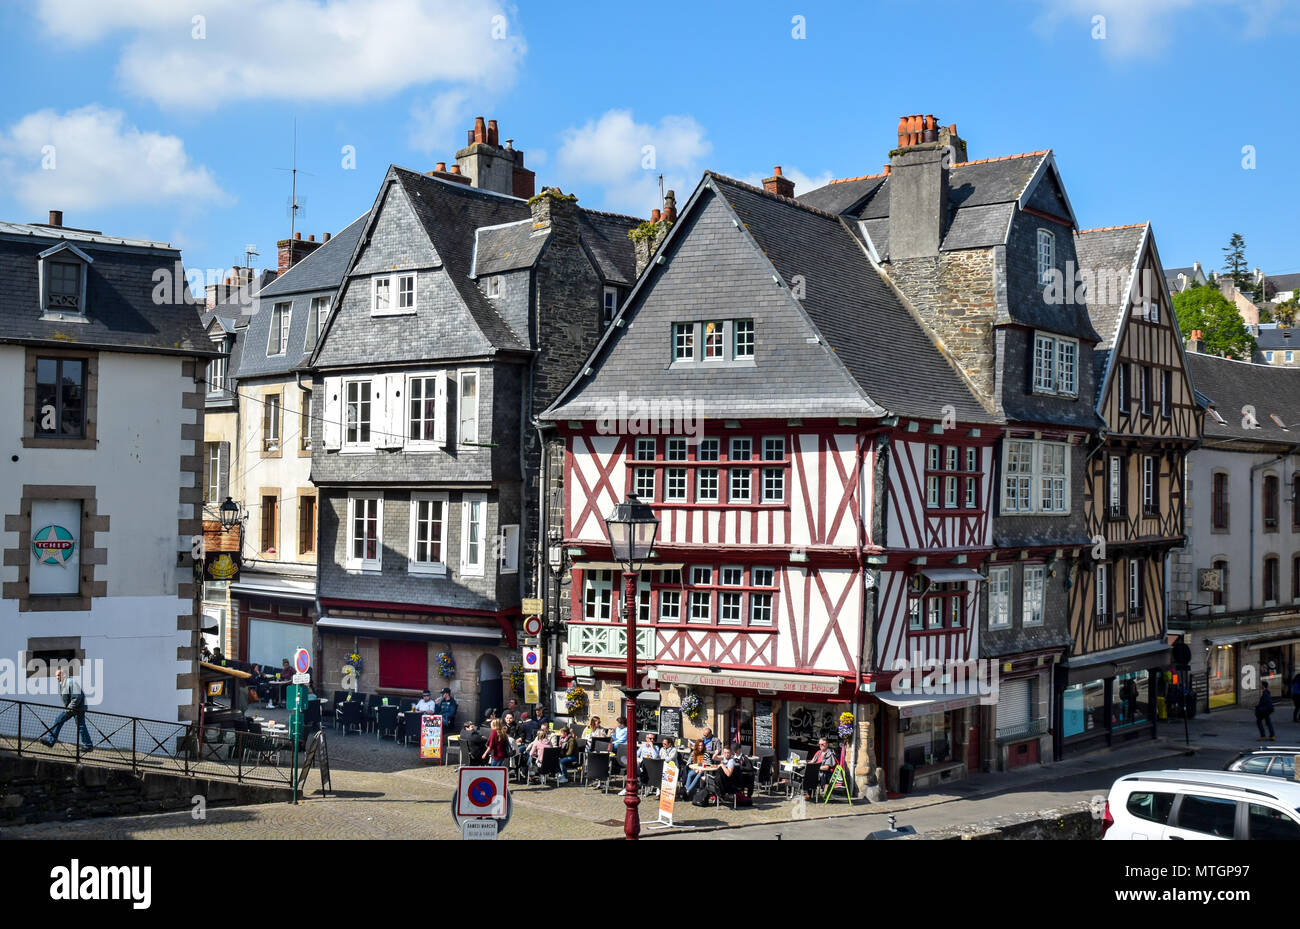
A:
[498,745]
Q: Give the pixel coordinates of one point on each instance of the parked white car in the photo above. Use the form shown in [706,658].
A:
[1192,804]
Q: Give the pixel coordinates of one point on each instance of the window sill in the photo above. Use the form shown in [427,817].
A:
[953,511]
[407,312]
[54,316]
[936,630]
[52,442]
[369,570]
[427,570]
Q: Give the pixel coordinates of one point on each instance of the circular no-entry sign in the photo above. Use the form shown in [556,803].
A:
[532,626]
[482,792]
[302,660]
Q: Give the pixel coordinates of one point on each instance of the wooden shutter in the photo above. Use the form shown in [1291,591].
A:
[440,411]
[386,410]
[331,430]
[223,471]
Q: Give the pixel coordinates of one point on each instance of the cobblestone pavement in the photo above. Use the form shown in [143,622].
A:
[382,790]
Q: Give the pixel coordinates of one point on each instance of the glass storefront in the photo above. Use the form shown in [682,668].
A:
[808,722]
[926,740]
[1275,669]
[1132,699]
[1083,708]
[1222,672]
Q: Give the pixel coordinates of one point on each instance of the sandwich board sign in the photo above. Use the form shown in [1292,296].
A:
[431,736]
[667,798]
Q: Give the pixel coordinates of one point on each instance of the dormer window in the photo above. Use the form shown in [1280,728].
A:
[63,281]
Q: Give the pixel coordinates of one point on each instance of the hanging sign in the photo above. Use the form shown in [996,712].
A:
[531,687]
[532,606]
[221,566]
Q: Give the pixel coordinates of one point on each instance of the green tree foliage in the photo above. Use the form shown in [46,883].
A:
[1234,261]
[1225,333]
[1285,313]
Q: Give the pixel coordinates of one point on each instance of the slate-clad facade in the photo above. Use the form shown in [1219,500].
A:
[461,314]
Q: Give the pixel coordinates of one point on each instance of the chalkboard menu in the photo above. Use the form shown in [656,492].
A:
[670,721]
[316,749]
[764,736]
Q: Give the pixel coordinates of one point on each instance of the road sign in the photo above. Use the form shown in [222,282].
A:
[532,606]
[481,792]
[532,626]
[302,678]
[532,659]
[531,689]
[302,661]
[478,829]
[295,698]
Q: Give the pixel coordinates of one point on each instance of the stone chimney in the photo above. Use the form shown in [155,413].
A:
[1197,342]
[555,210]
[918,189]
[647,237]
[294,250]
[56,218]
[454,175]
[778,184]
[487,165]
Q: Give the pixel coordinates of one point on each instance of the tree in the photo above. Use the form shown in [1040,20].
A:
[1285,313]
[1221,326]
[1234,261]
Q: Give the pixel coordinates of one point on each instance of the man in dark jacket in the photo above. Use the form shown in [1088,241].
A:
[446,708]
[534,722]
[1264,714]
[472,745]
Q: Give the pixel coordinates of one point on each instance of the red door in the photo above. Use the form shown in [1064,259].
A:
[973,743]
[1022,754]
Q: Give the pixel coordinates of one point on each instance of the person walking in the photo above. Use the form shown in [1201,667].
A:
[74,698]
[498,745]
[1264,714]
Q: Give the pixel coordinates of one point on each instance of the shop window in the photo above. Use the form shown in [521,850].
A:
[1222,672]
[927,740]
[1133,699]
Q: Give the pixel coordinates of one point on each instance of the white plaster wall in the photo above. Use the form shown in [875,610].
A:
[136,473]
[289,472]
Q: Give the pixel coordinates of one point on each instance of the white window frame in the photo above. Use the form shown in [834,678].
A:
[680,478]
[700,494]
[217,374]
[1032,594]
[1038,478]
[1067,376]
[638,485]
[461,439]
[378,282]
[1102,608]
[272,411]
[438,409]
[370,422]
[1149,494]
[609,305]
[1114,485]
[598,589]
[1000,598]
[508,562]
[1134,587]
[493,286]
[739,328]
[722,332]
[683,336]
[468,567]
[1056,365]
[1046,255]
[399,280]
[427,567]
[675,448]
[665,598]
[1044,364]
[1288,357]
[1268,356]
[646,445]
[320,308]
[743,475]
[353,563]
[393,286]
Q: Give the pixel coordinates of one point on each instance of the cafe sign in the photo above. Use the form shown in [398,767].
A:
[221,566]
[799,685]
[53,545]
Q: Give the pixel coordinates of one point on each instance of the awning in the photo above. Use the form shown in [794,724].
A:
[424,631]
[617,566]
[265,585]
[952,697]
[1083,668]
[752,680]
[1269,639]
[952,575]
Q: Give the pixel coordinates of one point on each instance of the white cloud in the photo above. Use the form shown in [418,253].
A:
[625,159]
[90,158]
[1138,27]
[434,124]
[297,50]
[802,182]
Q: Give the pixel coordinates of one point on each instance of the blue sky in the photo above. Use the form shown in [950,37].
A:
[173,120]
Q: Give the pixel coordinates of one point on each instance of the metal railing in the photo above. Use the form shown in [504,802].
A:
[146,745]
[1024,731]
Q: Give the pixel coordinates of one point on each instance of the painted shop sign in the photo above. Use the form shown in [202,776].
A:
[221,566]
[56,561]
[829,686]
[53,545]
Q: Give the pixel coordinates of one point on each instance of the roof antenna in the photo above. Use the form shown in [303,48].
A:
[295,204]
[661,192]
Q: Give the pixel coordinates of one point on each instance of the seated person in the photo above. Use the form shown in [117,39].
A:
[569,749]
[426,704]
[825,759]
[699,756]
[618,745]
[594,730]
[647,749]
[668,750]
[286,672]
[259,684]
[540,743]
[473,747]
[729,773]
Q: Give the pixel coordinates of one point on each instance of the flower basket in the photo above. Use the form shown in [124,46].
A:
[354,659]
[692,707]
[517,677]
[446,664]
[575,699]
[845,728]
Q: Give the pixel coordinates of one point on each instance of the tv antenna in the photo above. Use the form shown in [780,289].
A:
[295,203]
[250,252]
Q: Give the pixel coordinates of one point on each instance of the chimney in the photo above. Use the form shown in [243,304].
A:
[440,171]
[918,189]
[654,216]
[489,166]
[670,207]
[778,184]
[292,251]
[325,238]
[558,211]
[56,218]
[647,237]
[1196,343]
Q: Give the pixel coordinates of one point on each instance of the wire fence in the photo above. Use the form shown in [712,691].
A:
[145,745]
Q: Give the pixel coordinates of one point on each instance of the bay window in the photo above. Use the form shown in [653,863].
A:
[1036,477]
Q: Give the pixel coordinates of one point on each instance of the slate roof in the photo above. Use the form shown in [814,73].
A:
[858,316]
[605,235]
[1274,338]
[1231,385]
[1109,251]
[1280,283]
[324,268]
[120,306]
[507,248]
[449,212]
[982,197]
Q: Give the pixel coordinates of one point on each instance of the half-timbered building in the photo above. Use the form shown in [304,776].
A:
[1133,495]
[979,251]
[822,474]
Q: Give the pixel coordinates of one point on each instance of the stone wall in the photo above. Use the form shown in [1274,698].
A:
[954,294]
[35,791]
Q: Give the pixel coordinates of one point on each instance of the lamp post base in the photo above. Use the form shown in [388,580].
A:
[632,798]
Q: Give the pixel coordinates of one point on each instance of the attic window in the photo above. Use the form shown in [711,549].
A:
[63,281]
[494,286]
[1046,255]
